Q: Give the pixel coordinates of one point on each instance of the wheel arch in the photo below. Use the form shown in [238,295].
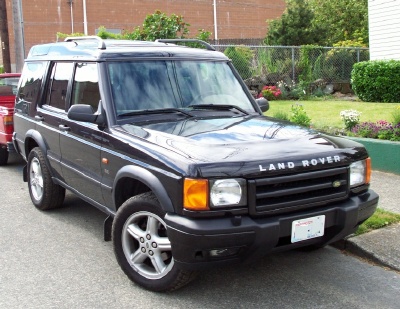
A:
[34,139]
[132,180]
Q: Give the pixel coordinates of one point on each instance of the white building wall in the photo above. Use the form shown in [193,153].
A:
[384,29]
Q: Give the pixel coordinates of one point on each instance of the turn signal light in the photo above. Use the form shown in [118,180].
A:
[195,194]
[368,170]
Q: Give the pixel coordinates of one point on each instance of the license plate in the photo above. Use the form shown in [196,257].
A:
[308,228]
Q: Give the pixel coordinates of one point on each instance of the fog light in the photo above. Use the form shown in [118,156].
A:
[223,252]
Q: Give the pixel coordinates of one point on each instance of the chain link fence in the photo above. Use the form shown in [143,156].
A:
[326,69]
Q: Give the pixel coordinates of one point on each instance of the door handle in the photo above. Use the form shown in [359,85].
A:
[39,118]
[63,127]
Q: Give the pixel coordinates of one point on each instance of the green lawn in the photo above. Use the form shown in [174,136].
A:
[327,113]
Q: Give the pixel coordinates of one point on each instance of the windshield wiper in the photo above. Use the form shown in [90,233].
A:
[156,111]
[218,107]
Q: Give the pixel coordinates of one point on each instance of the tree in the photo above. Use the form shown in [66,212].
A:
[295,27]
[341,20]
[320,22]
[160,26]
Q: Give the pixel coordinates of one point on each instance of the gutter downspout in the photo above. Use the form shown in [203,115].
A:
[215,21]
[84,18]
[72,15]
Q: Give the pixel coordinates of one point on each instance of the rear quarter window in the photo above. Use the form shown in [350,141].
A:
[31,82]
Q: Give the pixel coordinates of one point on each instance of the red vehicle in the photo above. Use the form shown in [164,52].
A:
[8,90]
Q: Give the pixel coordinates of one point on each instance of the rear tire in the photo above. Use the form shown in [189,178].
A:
[142,247]
[45,194]
[3,155]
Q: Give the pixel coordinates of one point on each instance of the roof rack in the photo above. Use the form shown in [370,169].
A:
[102,44]
[207,45]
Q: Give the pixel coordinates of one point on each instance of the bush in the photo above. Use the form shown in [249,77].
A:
[299,116]
[270,93]
[377,81]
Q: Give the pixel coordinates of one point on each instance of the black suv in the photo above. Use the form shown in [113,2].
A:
[170,144]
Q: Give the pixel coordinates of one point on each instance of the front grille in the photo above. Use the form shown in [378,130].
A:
[284,194]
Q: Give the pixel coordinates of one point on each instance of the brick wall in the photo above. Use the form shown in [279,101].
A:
[242,19]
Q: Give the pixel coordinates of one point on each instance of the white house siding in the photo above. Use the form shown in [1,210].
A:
[384,29]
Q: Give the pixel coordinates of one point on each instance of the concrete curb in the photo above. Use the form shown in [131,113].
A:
[381,247]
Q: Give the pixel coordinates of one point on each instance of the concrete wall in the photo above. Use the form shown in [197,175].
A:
[384,29]
[385,155]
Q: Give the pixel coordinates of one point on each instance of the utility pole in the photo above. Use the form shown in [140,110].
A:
[18,35]
[5,46]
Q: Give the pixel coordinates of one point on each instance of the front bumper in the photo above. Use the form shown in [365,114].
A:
[243,239]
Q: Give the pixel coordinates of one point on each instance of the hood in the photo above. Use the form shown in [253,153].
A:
[265,144]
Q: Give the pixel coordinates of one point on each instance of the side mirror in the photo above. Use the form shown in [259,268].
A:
[263,104]
[82,112]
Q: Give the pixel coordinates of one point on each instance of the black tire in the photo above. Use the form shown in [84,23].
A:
[45,194]
[3,155]
[142,247]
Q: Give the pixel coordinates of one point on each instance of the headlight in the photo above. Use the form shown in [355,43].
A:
[360,172]
[203,194]
[228,192]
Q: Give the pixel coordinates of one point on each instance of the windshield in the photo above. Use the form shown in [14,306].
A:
[149,85]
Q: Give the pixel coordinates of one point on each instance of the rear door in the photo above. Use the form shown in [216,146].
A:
[51,114]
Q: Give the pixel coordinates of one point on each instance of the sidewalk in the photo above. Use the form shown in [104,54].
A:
[381,246]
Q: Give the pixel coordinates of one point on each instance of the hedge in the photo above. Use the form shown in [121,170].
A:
[377,81]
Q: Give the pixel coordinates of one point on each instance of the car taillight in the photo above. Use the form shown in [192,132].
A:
[8,124]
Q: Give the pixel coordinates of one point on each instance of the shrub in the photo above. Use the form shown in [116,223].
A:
[350,118]
[299,116]
[270,93]
[377,81]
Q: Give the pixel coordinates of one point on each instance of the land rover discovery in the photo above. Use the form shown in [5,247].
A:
[170,144]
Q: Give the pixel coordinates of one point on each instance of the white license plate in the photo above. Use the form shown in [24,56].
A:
[308,228]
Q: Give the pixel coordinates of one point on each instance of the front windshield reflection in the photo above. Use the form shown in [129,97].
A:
[149,85]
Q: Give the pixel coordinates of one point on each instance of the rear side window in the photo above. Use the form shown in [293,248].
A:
[58,84]
[85,89]
[31,81]
[8,86]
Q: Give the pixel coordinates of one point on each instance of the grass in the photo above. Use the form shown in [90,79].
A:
[379,219]
[326,113]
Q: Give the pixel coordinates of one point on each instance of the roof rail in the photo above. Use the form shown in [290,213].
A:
[207,45]
[102,44]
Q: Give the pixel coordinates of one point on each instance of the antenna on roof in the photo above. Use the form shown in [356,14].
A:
[102,44]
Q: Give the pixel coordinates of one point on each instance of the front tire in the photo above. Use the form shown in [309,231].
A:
[142,247]
[3,155]
[45,194]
